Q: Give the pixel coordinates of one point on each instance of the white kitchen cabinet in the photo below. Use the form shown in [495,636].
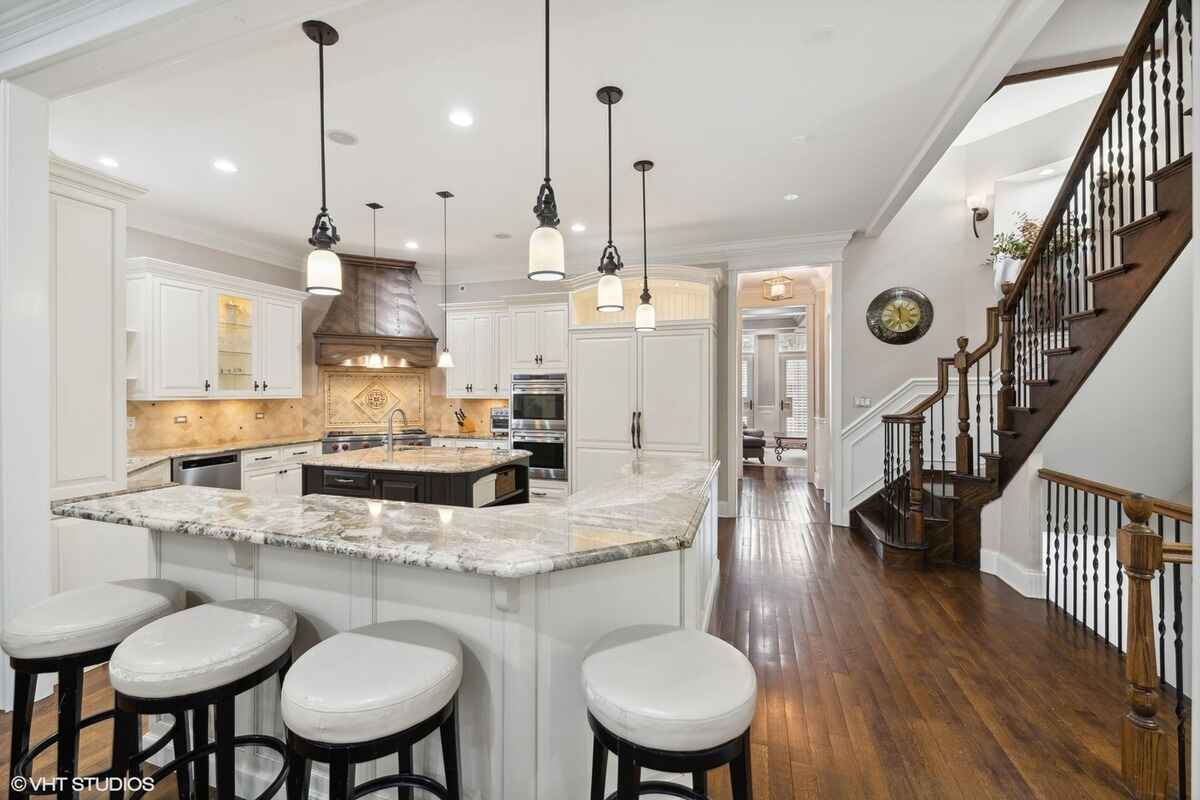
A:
[638,392]
[277,481]
[280,348]
[480,344]
[204,334]
[504,349]
[260,482]
[180,332]
[539,338]
[290,482]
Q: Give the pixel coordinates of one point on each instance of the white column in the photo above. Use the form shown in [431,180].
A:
[24,355]
[837,494]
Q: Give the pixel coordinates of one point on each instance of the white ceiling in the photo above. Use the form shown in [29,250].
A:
[1083,30]
[717,94]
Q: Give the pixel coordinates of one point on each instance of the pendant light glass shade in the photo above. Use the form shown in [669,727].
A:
[610,294]
[324,273]
[445,360]
[547,258]
[644,320]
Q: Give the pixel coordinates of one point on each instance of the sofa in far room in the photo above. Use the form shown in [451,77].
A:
[753,443]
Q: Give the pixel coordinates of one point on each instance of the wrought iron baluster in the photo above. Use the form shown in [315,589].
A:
[1180,93]
[1110,180]
[1154,137]
[1084,562]
[1107,561]
[1141,112]
[1095,563]
[991,406]
[1166,87]
[1162,614]
[1074,518]
[1058,529]
[1132,175]
[1120,589]
[977,434]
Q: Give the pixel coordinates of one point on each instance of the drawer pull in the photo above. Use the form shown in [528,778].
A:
[343,480]
[263,458]
[299,452]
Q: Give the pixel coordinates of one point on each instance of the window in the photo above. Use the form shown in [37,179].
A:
[747,384]
[795,381]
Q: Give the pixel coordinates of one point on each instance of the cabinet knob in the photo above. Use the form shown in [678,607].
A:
[256,386]
[264,386]
[207,385]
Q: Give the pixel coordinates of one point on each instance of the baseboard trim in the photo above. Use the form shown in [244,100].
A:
[1027,582]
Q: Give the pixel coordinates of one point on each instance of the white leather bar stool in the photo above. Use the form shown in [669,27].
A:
[204,656]
[668,699]
[65,634]
[369,693]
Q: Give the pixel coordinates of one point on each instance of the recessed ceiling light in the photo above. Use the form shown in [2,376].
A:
[224,165]
[462,118]
[338,136]
[579,227]
[791,196]
[411,245]
[800,138]
[1047,171]
[502,235]
[108,161]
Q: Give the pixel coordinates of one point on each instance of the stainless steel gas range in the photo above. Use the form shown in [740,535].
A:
[338,441]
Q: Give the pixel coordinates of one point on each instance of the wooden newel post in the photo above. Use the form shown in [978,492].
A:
[963,450]
[1007,397]
[1143,742]
[916,489]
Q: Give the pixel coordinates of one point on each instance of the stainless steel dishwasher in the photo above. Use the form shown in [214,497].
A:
[220,470]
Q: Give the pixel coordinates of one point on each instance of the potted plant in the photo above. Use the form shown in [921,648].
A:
[1010,249]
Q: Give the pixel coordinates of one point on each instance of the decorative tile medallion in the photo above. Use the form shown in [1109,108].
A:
[361,399]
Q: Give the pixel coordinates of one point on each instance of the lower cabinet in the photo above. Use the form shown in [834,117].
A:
[282,481]
[456,489]
[409,488]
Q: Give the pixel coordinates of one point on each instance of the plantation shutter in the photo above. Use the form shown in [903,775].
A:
[795,371]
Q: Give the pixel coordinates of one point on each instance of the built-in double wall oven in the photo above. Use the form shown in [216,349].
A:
[538,422]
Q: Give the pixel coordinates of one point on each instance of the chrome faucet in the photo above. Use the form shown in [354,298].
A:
[396,409]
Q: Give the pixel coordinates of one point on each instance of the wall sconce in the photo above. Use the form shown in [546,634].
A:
[979,211]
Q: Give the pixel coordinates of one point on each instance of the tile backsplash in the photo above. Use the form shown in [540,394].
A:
[218,422]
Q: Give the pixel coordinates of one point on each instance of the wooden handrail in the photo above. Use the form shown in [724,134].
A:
[993,337]
[1141,40]
[944,365]
[1177,552]
[1163,508]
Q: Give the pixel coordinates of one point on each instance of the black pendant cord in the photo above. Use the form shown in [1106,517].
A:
[445,273]
[645,267]
[546,207]
[610,256]
[610,174]
[547,178]
[321,83]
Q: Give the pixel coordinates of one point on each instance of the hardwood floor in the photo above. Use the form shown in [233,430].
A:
[874,682]
[878,682]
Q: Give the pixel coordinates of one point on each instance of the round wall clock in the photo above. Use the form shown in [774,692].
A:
[900,315]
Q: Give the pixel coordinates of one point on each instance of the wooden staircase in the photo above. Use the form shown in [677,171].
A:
[1121,219]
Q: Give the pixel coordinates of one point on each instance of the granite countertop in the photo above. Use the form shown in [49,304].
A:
[654,506]
[153,456]
[460,435]
[451,460]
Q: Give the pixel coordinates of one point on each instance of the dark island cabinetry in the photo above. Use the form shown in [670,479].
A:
[440,488]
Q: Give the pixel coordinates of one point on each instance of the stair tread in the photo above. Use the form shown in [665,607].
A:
[876,528]
[1079,315]
[1009,434]
[995,456]
[1039,382]
[1142,222]
[1178,165]
[1111,272]
[1060,351]
[1022,409]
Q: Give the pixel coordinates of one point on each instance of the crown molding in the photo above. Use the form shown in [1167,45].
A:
[768,253]
[80,177]
[212,237]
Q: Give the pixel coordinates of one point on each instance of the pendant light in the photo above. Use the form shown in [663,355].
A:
[547,261]
[445,360]
[609,292]
[375,360]
[323,269]
[643,320]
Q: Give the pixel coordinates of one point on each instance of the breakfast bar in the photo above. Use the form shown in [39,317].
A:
[526,588]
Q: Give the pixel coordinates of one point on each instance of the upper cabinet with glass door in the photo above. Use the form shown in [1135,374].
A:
[212,335]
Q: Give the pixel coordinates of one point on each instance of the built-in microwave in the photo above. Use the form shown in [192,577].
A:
[548,453]
[539,402]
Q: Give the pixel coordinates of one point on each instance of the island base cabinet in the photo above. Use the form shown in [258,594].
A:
[523,729]
[447,489]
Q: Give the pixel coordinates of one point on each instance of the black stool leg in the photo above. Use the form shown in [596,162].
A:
[341,778]
[70,704]
[200,739]
[700,782]
[739,772]
[299,770]
[182,775]
[125,747]
[629,775]
[404,765]
[599,768]
[23,690]
[450,754]
[225,752]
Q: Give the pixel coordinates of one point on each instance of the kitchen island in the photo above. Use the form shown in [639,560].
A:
[527,588]
[447,476]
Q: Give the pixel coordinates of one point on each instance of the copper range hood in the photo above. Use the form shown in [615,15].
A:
[375,321]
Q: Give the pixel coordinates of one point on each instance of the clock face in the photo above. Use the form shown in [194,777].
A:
[899,315]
